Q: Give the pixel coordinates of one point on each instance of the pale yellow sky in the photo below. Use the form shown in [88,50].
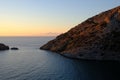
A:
[14,25]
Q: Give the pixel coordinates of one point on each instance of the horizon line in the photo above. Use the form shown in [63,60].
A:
[29,36]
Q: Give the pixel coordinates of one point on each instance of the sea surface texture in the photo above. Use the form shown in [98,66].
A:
[31,63]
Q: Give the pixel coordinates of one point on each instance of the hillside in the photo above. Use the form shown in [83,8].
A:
[96,38]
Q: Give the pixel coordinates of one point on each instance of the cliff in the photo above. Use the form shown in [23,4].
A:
[96,38]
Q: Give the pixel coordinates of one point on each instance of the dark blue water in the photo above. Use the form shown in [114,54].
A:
[30,63]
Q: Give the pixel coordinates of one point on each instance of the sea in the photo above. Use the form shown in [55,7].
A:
[31,63]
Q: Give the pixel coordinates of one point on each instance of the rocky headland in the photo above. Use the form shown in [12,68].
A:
[3,47]
[97,38]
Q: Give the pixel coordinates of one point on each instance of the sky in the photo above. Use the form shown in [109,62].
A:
[47,17]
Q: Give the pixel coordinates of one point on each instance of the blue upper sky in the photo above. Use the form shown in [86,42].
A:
[46,16]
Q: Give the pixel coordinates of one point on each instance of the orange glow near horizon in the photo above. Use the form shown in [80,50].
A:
[22,31]
[12,31]
[18,26]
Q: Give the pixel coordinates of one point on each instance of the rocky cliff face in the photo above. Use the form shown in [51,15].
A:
[96,38]
[3,47]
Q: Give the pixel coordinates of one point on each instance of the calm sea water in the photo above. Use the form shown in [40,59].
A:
[30,63]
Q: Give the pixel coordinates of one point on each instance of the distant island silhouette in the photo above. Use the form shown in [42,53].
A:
[3,47]
[97,38]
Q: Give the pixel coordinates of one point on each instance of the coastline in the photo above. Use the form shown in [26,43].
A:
[83,58]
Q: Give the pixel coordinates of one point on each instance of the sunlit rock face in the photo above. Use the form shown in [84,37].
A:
[96,38]
[3,47]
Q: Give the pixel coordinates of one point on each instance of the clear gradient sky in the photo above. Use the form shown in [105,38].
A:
[47,17]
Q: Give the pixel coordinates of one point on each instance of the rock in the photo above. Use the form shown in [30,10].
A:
[97,38]
[3,47]
[14,48]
